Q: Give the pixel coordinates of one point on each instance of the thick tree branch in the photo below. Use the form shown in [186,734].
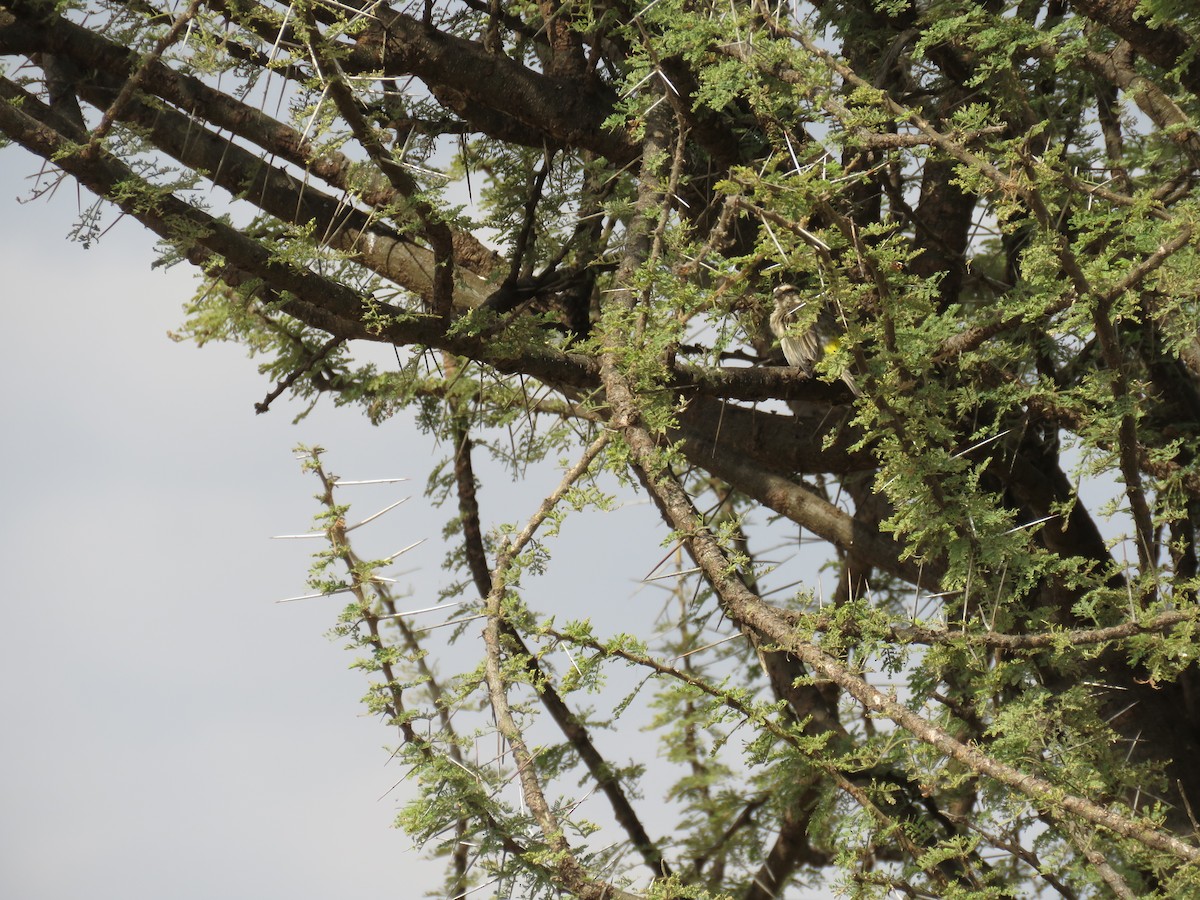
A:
[492,90]
[1164,45]
[197,100]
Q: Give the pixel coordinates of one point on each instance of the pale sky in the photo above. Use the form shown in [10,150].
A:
[170,730]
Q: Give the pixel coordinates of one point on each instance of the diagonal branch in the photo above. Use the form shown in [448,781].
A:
[560,712]
[135,81]
[752,615]
[491,90]
[436,232]
[570,871]
[198,102]
[750,612]
[1165,45]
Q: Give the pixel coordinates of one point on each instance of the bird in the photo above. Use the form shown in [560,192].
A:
[806,340]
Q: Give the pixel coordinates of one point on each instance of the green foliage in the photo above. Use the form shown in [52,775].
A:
[567,224]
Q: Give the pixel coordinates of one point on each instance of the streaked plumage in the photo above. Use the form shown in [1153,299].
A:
[805,347]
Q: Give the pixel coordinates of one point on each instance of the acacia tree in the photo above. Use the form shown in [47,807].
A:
[571,220]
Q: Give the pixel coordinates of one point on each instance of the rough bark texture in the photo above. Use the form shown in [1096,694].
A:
[943,203]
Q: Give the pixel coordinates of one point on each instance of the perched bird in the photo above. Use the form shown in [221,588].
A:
[806,339]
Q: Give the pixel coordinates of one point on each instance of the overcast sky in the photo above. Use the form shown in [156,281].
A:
[169,730]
